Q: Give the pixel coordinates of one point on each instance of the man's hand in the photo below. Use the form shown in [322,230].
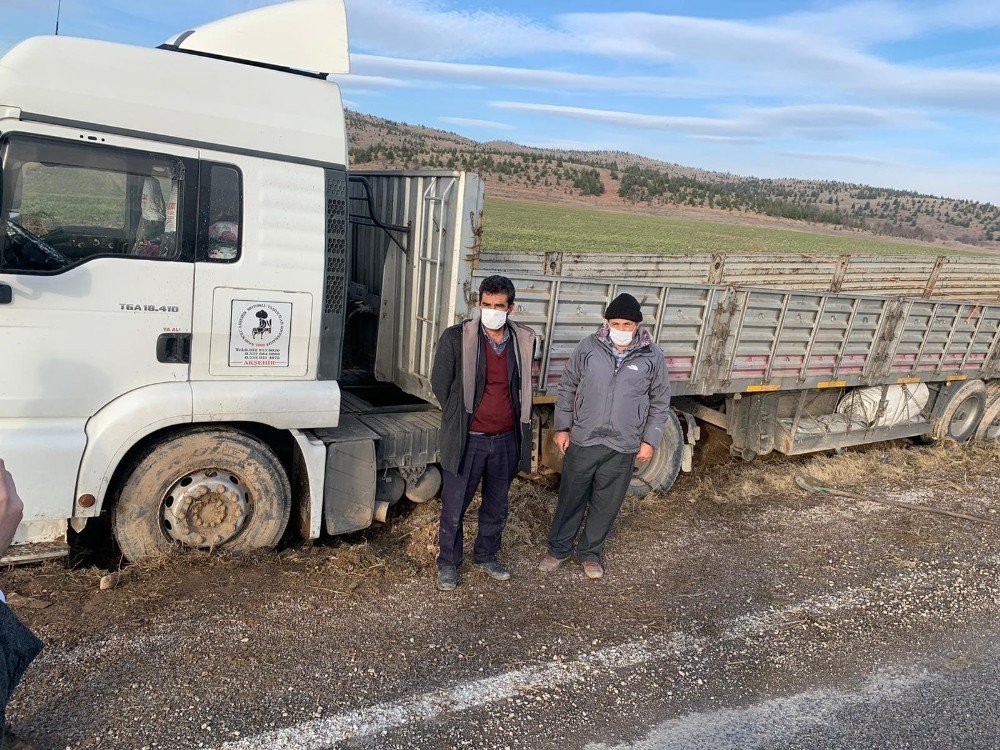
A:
[645,453]
[11,509]
[562,441]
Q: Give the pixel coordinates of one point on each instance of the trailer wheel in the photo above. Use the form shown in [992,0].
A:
[989,425]
[660,473]
[962,414]
[208,489]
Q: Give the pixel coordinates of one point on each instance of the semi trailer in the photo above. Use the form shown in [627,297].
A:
[214,333]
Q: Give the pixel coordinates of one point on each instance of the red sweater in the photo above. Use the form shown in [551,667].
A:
[495,414]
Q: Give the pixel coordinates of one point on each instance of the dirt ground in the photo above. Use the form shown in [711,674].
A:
[201,651]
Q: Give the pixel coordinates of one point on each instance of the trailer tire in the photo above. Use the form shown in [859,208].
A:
[962,413]
[989,425]
[206,489]
[660,472]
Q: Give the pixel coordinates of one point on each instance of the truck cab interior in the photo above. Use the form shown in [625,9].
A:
[64,203]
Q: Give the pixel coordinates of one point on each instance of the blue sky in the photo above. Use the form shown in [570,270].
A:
[899,94]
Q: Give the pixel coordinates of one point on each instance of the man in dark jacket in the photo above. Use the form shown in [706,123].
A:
[482,380]
[611,409]
[18,646]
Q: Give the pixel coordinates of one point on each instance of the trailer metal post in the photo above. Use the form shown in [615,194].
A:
[778,328]
[717,269]
[798,415]
[975,335]
[813,334]
[840,273]
[951,338]
[935,273]
[552,265]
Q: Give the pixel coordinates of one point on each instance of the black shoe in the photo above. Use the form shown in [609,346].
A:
[494,570]
[447,578]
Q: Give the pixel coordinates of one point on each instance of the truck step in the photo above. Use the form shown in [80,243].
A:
[408,438]
[22,554]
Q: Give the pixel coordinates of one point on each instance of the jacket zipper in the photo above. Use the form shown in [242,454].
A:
[609,402]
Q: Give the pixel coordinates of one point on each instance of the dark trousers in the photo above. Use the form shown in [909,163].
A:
[494,461]
[18,646]
[594,480]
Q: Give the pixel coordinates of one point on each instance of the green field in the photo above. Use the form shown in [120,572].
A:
[521,225]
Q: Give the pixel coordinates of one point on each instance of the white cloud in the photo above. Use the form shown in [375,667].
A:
[354,81]
[808,55]
[861,22]
[768,58]
[475,123]
[395,68]
[818,121]
[731,139]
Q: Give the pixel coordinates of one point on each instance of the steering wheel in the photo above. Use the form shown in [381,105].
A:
[52,255]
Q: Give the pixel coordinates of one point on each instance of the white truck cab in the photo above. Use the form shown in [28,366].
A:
[174,252]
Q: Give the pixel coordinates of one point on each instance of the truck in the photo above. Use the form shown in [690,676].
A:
[215,334]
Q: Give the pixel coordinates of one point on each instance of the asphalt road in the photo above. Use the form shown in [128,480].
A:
[772,622]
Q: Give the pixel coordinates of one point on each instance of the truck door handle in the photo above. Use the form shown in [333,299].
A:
[173,348]
[6,294]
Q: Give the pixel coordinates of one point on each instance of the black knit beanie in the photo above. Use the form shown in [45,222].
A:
[625,307]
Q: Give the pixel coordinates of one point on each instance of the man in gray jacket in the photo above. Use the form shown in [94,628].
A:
[612,406]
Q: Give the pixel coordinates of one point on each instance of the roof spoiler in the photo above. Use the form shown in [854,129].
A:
[303,36]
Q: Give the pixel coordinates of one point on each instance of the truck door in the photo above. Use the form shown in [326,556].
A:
[96,279]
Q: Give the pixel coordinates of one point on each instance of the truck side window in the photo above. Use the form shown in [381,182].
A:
[221,211]
[64,203]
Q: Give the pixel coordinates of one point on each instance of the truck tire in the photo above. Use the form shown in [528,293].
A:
[660,473]
[989,425]
[207,489]
[962,413]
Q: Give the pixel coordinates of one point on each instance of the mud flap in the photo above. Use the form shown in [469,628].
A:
[349,497]
[692,434]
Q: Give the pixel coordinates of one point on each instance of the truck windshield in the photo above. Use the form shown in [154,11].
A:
[63,203]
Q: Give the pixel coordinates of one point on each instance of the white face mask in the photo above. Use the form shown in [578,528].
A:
[621,338]
[494,319]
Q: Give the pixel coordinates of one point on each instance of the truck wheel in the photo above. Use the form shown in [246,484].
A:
[660,473]
[209,489]
[962,413]
[989,425]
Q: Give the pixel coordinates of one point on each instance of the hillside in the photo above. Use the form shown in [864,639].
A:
[616,179]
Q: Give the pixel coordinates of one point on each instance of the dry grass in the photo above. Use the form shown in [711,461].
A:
[944,465]
[531,507]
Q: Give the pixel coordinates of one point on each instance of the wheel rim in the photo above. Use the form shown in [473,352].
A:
[206,508]
[965,417]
